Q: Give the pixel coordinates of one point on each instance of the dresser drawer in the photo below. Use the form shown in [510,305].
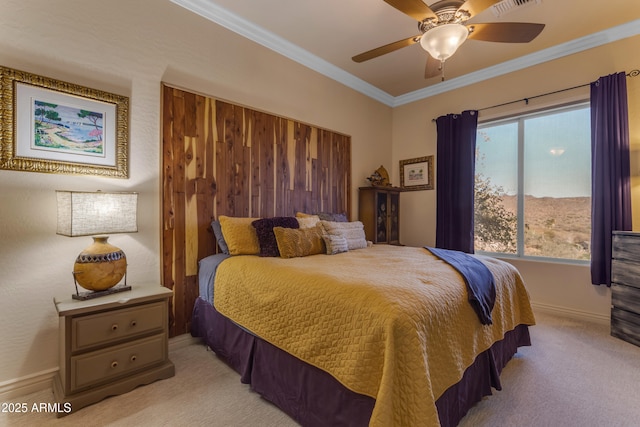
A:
[625,297]
[625,272]
[626,245]
[104,365]
[625,325]
[111,326]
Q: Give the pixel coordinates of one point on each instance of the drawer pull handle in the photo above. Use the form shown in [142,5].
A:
[114,327]
[133,323]
[114,364]
[133,358]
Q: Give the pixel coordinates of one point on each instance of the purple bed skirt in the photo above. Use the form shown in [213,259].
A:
[314,398]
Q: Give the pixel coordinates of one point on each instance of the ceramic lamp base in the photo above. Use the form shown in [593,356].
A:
[100,266]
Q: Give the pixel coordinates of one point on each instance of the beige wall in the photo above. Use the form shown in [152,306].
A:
[552,286]
[129,47]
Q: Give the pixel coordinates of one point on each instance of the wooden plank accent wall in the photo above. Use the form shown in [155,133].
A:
[224,159]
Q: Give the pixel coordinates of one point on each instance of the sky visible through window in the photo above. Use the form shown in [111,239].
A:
[557,153]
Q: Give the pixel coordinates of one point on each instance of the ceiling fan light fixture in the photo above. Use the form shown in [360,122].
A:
[442,41]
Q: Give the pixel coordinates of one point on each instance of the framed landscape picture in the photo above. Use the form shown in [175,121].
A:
[59,127]
[417,174]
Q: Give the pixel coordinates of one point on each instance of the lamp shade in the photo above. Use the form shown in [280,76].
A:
[442,41]
[91,213]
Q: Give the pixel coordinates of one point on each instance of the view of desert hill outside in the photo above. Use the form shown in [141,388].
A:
[555,180]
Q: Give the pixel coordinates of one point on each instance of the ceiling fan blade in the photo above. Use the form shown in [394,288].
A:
[505,32]
[474,7]
[414,8]
[388,48]
[433,67]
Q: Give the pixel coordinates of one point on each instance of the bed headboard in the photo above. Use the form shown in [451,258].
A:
[225,159]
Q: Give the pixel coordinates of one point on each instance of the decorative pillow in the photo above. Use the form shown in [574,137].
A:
[266,238]
[335,244]
[352,231]
[240,235]
[335,217]
[217,231]
[308,221]
[299,242]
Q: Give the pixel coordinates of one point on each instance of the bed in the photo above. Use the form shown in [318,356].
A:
[380,335]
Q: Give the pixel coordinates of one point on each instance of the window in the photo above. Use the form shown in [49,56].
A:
[533,185]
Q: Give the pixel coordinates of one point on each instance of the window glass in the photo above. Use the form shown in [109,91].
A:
[533,185]
[496,188]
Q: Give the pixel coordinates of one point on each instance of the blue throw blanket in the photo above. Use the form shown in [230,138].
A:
[479,280]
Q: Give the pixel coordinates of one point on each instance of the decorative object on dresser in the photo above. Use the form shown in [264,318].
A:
[379,178]
[101,266]
[625,286]
[379,212]
[111,345]
[416,174]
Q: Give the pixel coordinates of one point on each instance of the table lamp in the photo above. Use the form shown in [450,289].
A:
[101,266]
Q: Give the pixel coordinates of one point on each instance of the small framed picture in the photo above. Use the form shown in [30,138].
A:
[59,127]
[416,174]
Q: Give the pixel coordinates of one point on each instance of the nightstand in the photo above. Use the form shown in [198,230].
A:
[112,344]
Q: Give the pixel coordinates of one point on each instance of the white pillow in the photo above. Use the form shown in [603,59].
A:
[353,232]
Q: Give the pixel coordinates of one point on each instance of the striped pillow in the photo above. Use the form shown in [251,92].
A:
[335,244]
[353,232]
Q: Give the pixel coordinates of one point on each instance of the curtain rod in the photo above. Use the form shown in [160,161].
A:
[632,73]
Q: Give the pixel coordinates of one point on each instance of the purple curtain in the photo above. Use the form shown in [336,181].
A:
[455,176]
[611,186]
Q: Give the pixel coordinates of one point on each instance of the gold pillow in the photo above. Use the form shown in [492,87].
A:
[240,235]
[299,242]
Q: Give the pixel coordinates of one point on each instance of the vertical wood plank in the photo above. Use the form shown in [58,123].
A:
[168,199]
[223,159]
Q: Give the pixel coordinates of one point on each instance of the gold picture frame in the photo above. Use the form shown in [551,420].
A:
[51,126]
[416,174]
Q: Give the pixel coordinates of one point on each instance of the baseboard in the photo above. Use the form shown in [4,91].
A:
[572,313]
[27,385]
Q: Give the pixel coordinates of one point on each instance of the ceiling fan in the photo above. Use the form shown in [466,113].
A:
[443,28]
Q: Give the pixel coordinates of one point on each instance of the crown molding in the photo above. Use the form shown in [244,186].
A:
[629,29]
[250,30]
[213,12]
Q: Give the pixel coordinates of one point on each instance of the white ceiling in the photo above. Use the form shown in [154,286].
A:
[325,34]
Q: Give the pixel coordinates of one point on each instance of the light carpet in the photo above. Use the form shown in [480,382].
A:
[574,374]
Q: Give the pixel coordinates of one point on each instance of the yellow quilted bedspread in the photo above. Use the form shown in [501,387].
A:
[389,322]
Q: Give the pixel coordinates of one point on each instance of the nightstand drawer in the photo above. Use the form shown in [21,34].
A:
[111,326]
[100,366]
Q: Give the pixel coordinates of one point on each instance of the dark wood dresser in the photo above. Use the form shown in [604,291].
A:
[625,286]
[379,212]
